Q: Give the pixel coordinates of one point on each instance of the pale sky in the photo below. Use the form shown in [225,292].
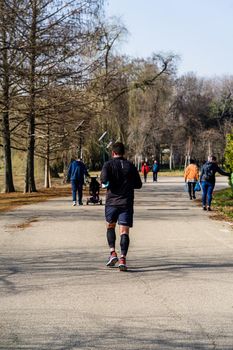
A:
[199,31]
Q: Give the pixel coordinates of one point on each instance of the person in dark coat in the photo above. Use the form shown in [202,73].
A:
[207,179]
[76,175]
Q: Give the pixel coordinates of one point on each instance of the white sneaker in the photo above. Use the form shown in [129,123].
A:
[74,203]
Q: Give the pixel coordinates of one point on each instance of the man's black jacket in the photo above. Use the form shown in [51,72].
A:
[209,170]
[123,178]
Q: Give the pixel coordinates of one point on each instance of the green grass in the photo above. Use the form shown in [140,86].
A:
[223,202]
[165,172]
[19,178]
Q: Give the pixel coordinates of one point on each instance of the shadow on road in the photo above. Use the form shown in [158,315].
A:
[103,337]
[58,268]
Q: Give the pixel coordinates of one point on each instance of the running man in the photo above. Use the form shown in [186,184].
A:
[120,177]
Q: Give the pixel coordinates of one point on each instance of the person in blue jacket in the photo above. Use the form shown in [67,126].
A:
[207,179]
[76,175]
[155,170]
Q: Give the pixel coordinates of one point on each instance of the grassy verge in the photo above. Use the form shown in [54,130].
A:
[9,201]
[223,204]
[164,172]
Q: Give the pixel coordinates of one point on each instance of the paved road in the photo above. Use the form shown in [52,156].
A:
[56,293]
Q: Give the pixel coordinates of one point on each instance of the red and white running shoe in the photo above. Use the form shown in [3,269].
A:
[113,259]
[122,264]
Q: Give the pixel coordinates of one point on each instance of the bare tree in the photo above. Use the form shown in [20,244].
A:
[57,35]
[8,59]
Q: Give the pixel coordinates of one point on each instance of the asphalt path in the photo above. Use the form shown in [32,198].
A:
[57,294]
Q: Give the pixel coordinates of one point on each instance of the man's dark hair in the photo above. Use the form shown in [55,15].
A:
[118,148]
[192,161]
[212,158]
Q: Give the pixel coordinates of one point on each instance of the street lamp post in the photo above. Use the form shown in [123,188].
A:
[79,129]
[101,140]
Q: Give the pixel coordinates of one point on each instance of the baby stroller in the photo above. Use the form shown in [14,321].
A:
[94,190]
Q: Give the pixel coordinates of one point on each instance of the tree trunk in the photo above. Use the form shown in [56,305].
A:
[171,158]
[30,185]
[47,179]
[209,148]
[65,165]
[8,176]
[188,152]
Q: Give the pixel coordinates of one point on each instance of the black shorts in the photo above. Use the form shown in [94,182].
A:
[124,216]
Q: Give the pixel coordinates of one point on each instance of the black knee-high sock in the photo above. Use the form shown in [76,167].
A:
[124,243]
[111,237]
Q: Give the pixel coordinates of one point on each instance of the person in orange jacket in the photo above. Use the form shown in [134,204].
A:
[145,170]
[191,176]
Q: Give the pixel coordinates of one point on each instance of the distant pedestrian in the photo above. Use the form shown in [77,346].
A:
[76,174]
[145,170]
[207,178]
[155,170]
[120,177]
[191,176]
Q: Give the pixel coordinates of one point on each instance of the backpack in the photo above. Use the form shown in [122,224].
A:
[208,173]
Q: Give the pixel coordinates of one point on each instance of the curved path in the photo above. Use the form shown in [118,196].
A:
[57,294]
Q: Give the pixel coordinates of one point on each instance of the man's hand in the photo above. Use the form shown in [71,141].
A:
[105,185]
